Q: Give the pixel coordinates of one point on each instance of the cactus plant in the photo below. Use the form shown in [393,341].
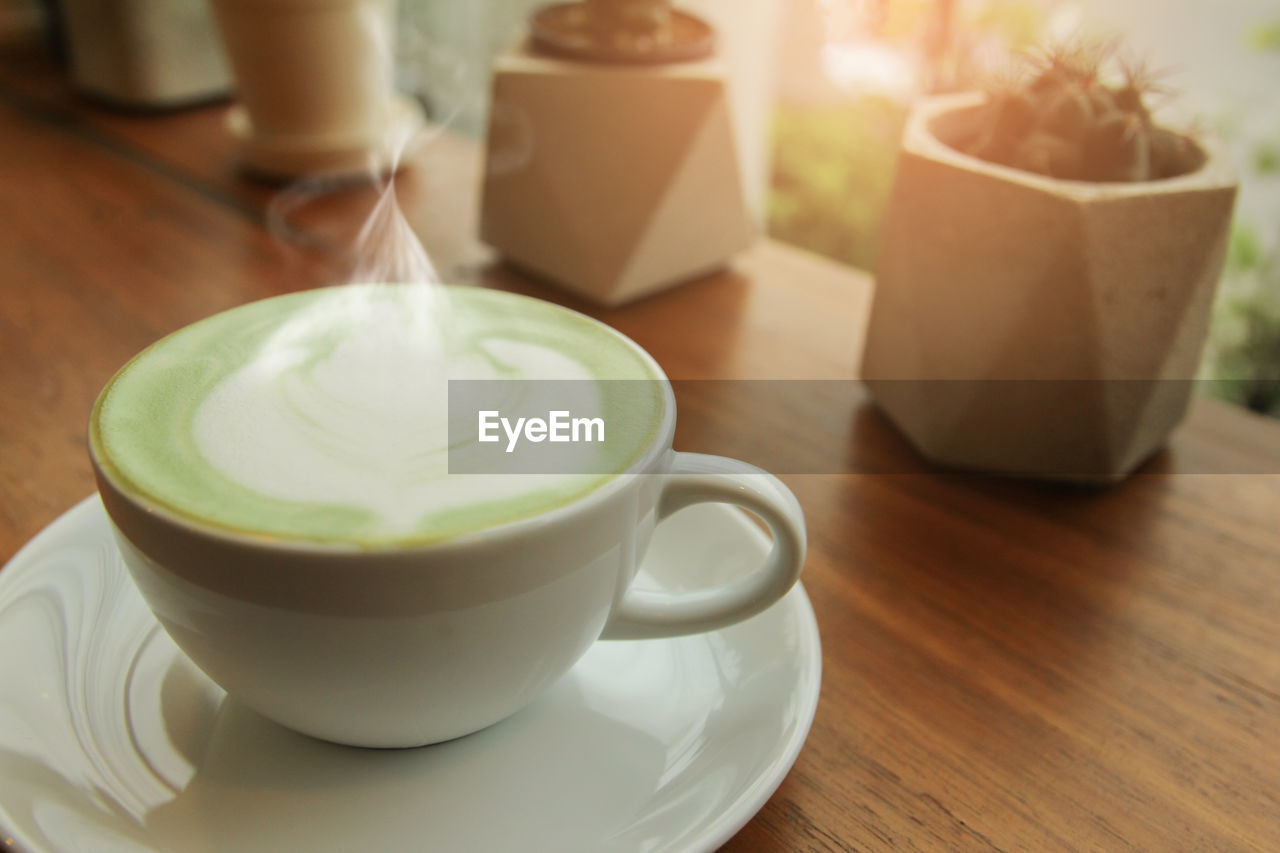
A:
[1046,326]
[1064,120]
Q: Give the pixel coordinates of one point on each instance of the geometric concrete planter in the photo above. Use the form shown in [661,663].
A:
[1034,326]
[613,181]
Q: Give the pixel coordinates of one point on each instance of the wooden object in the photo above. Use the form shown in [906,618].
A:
[1036,326]
[613,181]
[1006,666]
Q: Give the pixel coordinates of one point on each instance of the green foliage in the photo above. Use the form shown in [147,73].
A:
[1244,251]
[1266,158]
[1243,356]
[1244,347]
[833,169]
[1248,371]
[834,162]
[1266,36]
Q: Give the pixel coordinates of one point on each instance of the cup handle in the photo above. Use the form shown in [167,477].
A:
[698,478]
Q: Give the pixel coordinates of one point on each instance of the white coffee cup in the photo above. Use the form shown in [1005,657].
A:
[412,645]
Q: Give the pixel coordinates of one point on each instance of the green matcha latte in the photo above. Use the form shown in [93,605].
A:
[322,416]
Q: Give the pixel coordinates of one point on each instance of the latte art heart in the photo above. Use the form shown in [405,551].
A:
[325,414]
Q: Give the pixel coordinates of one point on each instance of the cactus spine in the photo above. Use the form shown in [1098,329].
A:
[1064,121]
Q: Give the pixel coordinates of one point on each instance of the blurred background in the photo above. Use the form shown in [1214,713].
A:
[850,69]
[820,89]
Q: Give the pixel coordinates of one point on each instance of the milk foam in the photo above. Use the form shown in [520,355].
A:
[341,402]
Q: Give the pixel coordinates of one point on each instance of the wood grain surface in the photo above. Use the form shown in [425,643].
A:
[1007,666]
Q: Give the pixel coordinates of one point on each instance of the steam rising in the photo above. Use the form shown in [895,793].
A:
[361,368]
[319,211]
[388,250]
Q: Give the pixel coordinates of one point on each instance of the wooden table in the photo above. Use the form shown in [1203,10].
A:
[1006,666]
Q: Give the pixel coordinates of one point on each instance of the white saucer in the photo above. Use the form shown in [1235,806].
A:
[110,740]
